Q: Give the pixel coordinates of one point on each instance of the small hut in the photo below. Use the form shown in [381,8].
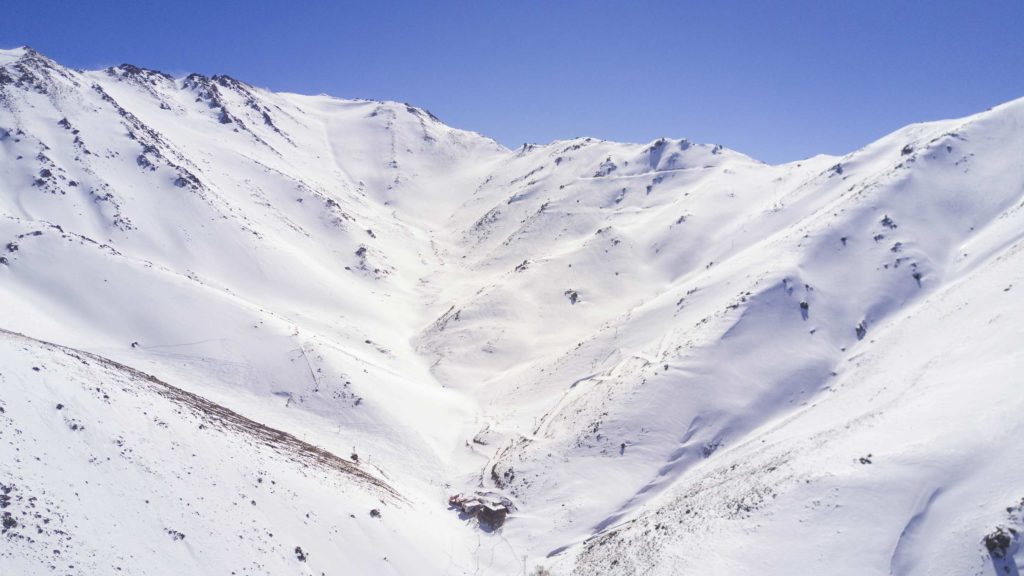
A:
[490,509]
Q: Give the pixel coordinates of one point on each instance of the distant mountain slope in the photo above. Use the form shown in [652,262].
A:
[671,357]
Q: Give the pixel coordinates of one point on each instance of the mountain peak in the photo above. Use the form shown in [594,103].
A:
[10,55]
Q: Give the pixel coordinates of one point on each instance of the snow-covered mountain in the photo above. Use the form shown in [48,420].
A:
[246,332]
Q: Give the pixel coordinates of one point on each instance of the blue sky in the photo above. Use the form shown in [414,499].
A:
[777,80]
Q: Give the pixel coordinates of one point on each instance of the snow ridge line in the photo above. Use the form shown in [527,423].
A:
[282,442]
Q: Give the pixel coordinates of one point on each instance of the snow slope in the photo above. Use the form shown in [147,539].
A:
[671,357]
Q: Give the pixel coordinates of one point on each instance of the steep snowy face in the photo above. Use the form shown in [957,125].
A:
[144,209]
[261,250]
[691,317]
[668,356]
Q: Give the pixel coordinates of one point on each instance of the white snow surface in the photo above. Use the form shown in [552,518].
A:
[244,332]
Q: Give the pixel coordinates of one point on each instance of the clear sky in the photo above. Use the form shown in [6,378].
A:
[777,80]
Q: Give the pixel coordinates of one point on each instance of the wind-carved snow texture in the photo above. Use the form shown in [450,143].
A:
[259,333]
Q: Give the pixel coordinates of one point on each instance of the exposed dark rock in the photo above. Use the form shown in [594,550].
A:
[998,541]
[573,296]
[7,522]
